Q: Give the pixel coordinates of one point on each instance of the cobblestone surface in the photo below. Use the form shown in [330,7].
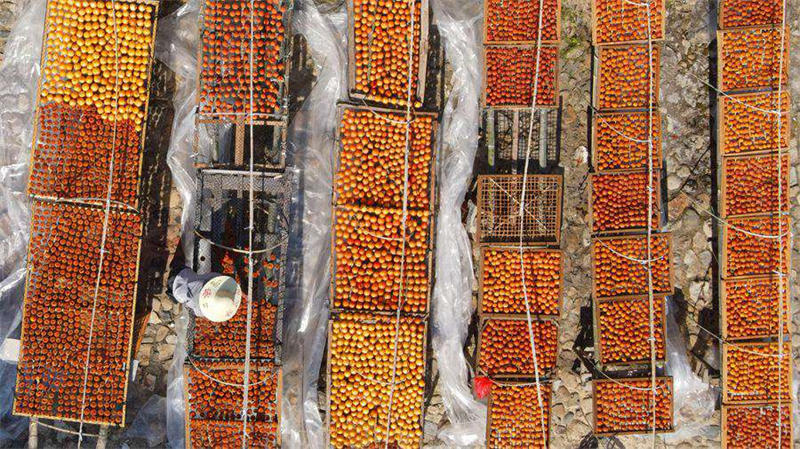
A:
[689,153]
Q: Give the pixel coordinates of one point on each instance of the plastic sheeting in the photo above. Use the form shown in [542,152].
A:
[460,26]
[694,401]
[177,47]
[19,77]
[312,141]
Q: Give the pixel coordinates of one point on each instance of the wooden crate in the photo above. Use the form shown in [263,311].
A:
[751,180]
[42,177]
[633,13]
[425,265]
[762,425]
[282,55]
[390,321]
[225,143]
[551,29]
[758,298]
[760,255]
[72,316]
[761,12]
[743,52]
[600,338]
[546,350]
[517,436]
[598,227]
[498,210]
[418,92]
[536,310]
[231,428]
[645,416]
[391,119]
[663,273]
[547,94]
[610,139]
[756,133]
[626,87]
[752,351]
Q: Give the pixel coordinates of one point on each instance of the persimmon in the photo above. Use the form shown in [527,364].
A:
[505,348]
[518,21]
[515,416]
[619,21]
[361,357]
[626,405]
[510,71]
[225,74]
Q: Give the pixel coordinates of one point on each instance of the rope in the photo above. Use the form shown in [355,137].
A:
[781,286]
[248,335]
[650,300]
[743,103]
[106,216]
[534,98]
[400,299]
[68,431]
[220,381]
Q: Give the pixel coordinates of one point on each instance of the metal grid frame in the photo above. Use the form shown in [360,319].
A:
[225,143]
[221,214]
[498,209]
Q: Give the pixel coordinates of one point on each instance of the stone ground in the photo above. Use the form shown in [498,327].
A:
[689,152]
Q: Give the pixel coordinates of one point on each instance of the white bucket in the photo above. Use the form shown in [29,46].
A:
[220,298]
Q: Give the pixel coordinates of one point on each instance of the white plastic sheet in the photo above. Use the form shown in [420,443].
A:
[19,76]
[177,47]
[460,26]
[312,141]
[694,401]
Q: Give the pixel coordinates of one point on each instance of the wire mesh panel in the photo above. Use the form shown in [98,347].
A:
[221,247]
[229,48]
[214,410]
[92,99]
[506,139]
[499,200]
[65,283]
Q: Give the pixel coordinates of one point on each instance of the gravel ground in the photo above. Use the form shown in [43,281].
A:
[687,145]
